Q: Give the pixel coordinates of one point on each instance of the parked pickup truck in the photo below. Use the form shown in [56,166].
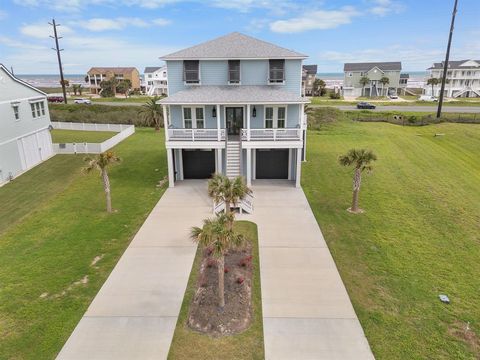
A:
[428,98]
[55,99]
[365,105]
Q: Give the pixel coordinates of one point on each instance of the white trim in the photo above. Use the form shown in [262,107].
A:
[180,164]
[249,167]
[195,144]
[254,164]
[298,169]
[289,164]
[300,57]
[194,116]
[218,161]
[272,144]
[171,175]
[213,102]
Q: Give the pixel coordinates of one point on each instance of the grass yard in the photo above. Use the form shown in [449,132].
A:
[419,236]
[53,226]
[80,136]
[188,344]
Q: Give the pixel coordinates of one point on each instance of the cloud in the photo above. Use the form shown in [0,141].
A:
[103,24]
[316,20]
[12,43]
[161,22]
[385,7]
[43,30]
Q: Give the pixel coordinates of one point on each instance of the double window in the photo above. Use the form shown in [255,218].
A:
[275,117]
[234,71]
[38,109]
[276,71]
[191,71]
[193,118]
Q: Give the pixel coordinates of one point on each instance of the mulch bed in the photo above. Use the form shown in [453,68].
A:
[205,315]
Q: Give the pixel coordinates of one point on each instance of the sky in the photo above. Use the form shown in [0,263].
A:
[138,32]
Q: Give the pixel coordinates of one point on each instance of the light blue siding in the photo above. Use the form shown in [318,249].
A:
[175,76]
[293,76]
[254,72]
[258,121]
[293,116]
[214,72]
[176,117]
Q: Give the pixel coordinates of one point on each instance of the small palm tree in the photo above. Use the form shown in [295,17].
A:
[361,160]
[101,162]
[222,189]
[319,87]
[384,81]
[219,236]
[152,112]
[434,82]
[364,80]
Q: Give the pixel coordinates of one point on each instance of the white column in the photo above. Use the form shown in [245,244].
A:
[218,122]
[165,121]
[180,164]
[290,164]
[248,122]
[219,161]
[254,164]
[249,167]
[171,174]
[298,168]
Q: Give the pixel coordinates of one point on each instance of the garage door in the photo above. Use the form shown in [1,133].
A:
[198,164]
[272,164]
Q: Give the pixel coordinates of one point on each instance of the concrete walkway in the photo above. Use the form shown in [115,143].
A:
[134,314]
[307,313]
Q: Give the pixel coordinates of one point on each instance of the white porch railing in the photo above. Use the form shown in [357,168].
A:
[196,134]
[272,134]
[243,205]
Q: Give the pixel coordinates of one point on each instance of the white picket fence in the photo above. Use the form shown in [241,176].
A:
[124,131]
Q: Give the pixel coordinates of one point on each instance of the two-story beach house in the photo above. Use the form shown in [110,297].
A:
[25,139]
[156,80]
[235,107]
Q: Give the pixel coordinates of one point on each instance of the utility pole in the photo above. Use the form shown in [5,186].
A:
[447,58]
[57,49]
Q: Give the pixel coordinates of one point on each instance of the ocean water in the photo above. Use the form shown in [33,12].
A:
[51,81]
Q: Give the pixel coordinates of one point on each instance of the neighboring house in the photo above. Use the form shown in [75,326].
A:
[97,74]
[235,107]
[156,80]
[309,74]
[463,79]
[374,71]
[25,139]
[403,84]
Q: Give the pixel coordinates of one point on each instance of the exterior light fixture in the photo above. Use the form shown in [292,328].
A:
[214,112]
[254,112]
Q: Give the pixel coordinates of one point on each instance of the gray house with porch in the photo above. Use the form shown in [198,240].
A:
[235,107]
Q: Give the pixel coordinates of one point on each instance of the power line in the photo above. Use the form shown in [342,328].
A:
[57,49]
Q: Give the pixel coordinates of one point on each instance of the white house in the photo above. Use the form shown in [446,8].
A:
[25,139]
[156,80]
[463,79]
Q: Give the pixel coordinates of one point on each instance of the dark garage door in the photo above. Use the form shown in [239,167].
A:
[198,164]
[272,164]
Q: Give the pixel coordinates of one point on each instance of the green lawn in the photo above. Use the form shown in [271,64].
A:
[80,136]
[419,236]
[248,345]
[53,224]
[378,101]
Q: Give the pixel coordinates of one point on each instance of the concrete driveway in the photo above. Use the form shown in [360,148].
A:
[134,314]
[307,313]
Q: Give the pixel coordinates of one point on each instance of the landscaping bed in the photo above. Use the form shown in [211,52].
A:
[242,337]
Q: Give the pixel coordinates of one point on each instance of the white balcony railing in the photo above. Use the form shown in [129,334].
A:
[272,134]
[196,134]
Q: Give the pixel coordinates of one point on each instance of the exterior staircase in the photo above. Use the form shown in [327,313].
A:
[233,159]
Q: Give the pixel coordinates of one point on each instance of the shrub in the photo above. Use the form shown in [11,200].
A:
[334,95]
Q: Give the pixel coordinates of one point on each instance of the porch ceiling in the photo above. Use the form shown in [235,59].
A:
[233,94]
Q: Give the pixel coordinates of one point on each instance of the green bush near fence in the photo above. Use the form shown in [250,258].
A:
[100,114]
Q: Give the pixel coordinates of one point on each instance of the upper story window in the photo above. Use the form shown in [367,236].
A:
[15,107]
[275,117]
[234,71]
[193,117]
[38,109]
[191,71]
[276,71]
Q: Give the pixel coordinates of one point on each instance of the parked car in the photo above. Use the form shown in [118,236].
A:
[393,97]
[365,105]
[428,98]
[82,101]
[55,99]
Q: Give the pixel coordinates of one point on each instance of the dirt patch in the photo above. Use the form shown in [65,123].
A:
[464,332]
[97,259]
[205,315]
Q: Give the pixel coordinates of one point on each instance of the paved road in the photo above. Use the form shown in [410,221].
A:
[307,313]
[134,314]
[411,108]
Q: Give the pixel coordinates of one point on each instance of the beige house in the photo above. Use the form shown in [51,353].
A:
[374,71]
[97,74]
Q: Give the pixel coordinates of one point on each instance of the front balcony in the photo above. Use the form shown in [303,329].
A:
[271,134]
[196,134]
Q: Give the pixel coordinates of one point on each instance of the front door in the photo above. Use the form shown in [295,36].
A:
[234,117]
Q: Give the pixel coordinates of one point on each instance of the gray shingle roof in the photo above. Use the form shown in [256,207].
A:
[310,69]
[234,46]
[227,94]
[151,69]
[453,64]
[384,66]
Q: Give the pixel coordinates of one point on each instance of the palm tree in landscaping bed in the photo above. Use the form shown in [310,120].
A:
[218,235]
[102,162]
[433,82]
[361,161]
[152,113]
[364,80]
[384,81]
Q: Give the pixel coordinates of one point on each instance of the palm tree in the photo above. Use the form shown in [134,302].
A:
[222,189]
[152,112]
[319,87]
[433,82]
[364,80]
[384,81]
[219,236]
[101,162]
[361,160]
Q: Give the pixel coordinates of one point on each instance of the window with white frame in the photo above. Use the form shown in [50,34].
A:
[38,109]
[275,117]
[15,111]
[234,71]
[193,118]
[191,71]
[276,71]
[32,107]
